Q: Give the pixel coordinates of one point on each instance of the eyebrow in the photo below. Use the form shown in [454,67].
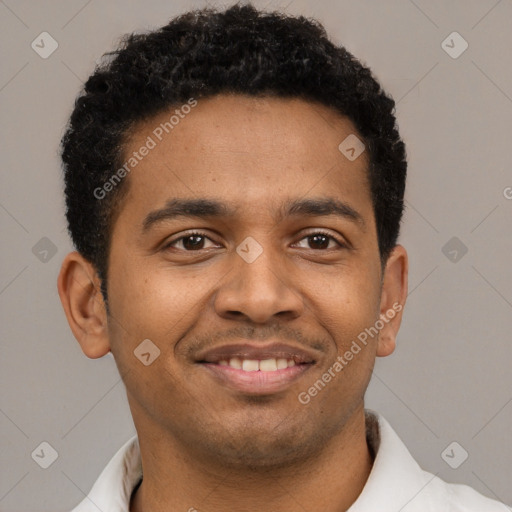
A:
[210,208]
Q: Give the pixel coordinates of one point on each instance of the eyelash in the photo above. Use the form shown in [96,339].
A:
[341,245]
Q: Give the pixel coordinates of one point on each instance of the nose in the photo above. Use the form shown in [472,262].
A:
[259,291]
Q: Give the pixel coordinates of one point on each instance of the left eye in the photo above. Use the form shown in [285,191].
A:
[321,240]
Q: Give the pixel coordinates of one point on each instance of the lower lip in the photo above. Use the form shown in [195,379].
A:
[258,382]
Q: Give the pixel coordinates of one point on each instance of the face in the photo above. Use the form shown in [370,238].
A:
[246,250]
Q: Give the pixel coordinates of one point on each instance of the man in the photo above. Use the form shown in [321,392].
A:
[234,187]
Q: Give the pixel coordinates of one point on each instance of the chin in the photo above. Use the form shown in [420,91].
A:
[257,448]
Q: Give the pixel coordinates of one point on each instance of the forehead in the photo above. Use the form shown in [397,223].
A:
[250,151]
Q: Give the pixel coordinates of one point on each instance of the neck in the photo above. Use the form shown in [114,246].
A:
[331,481]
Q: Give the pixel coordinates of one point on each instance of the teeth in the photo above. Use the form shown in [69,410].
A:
[253,365]
[282,363]
[250,365]
[235,362]
[268,365]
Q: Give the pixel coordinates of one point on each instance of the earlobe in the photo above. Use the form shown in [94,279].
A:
[80,295]
[393,297]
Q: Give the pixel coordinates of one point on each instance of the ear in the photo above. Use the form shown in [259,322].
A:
[80,293]
[393,296]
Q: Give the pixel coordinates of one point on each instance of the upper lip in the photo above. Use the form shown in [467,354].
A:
[255,351]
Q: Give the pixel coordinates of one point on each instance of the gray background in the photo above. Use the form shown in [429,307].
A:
[449,378]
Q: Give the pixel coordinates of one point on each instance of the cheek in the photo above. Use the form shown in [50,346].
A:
[347,308]
[153,301]
[348,302]
[147,304]
[350,306]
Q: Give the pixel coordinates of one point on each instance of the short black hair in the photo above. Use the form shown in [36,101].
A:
[203,53]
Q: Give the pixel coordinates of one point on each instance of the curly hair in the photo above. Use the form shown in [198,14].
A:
[206,52]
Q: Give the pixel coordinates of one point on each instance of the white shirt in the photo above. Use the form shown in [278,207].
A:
[396,482]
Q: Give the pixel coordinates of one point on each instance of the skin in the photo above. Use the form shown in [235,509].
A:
[204,444]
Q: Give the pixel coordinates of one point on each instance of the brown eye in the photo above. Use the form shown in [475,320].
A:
[190,242]
[193,242]
[318,241]
[321,241]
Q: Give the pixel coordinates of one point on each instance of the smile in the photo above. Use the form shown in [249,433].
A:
[256,369]
[253,365]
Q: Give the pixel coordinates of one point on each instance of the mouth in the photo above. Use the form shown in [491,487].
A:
[256,369]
